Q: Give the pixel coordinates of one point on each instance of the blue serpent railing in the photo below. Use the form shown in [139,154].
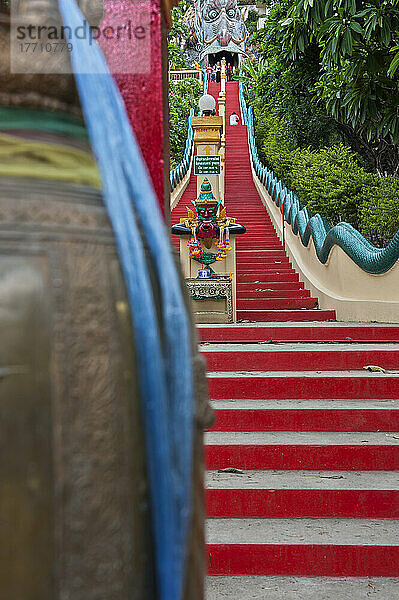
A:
[179,172]
[205,82]
[243,104]
[369,258]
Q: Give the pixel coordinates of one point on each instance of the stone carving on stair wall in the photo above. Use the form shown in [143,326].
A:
[212,289]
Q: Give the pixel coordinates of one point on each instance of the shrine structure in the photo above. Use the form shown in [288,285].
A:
[218,32]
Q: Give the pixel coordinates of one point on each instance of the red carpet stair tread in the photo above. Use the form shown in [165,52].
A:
[302,481]
[268,288]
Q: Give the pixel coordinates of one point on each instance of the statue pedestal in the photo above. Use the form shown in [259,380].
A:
[212,310]
[212,299]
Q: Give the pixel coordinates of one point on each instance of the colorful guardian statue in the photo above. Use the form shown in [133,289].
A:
[207,228]
[218,31]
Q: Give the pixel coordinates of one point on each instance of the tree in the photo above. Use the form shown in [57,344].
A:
[179,31]
[177,59]
[183,95]
[251,21]
[285,87]
[357,80]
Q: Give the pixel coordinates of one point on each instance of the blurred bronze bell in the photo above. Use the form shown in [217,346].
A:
[74,502]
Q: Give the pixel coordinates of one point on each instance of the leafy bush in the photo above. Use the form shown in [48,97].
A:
[330,181]
[183,96]
[379,213]
[277,142]
[177,58]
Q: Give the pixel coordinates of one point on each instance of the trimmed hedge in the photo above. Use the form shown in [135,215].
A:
[330,181]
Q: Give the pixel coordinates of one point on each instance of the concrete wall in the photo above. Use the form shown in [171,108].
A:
[339,284]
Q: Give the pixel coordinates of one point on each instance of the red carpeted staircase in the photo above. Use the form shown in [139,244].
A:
[302,482]
[268,289]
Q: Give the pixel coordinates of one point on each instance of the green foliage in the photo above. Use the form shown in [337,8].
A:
[325,96]
[395,62]
[379,212]
[288,87]
[252,21]
[177,59]
[176,36]
[275,140]
[330,181]
[179,30]
[357,80]
[183,96]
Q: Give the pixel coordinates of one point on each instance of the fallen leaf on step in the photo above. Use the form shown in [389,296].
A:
[266,341]
[231,470]
[374,369]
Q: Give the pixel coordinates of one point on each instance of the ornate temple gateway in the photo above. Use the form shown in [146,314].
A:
[217,31]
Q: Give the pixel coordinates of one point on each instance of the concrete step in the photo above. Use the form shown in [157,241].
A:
[314,419]
[303,384]
[264,503]
[255,241]
[256,245]
[282,332]
[266,268]
[313,480]
[251,253]
[303,456]
[264,277]
[308,438]
[333,560]
[259,304]
[297,588]
[243,287]
[303,314]
[296,403]
[365,532]
[306,357]
[250,263]
[254,295]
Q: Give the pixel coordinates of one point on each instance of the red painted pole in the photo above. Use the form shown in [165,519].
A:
[144,86]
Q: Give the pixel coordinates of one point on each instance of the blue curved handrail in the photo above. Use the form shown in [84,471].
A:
[204,82]
[163,358]
[179,172]
[243,104]
[303,223]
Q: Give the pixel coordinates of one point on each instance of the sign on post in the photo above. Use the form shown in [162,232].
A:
[207,165]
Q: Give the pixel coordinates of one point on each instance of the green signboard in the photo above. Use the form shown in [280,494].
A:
[207,165]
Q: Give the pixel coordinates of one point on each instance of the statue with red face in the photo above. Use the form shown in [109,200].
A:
[209,226]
